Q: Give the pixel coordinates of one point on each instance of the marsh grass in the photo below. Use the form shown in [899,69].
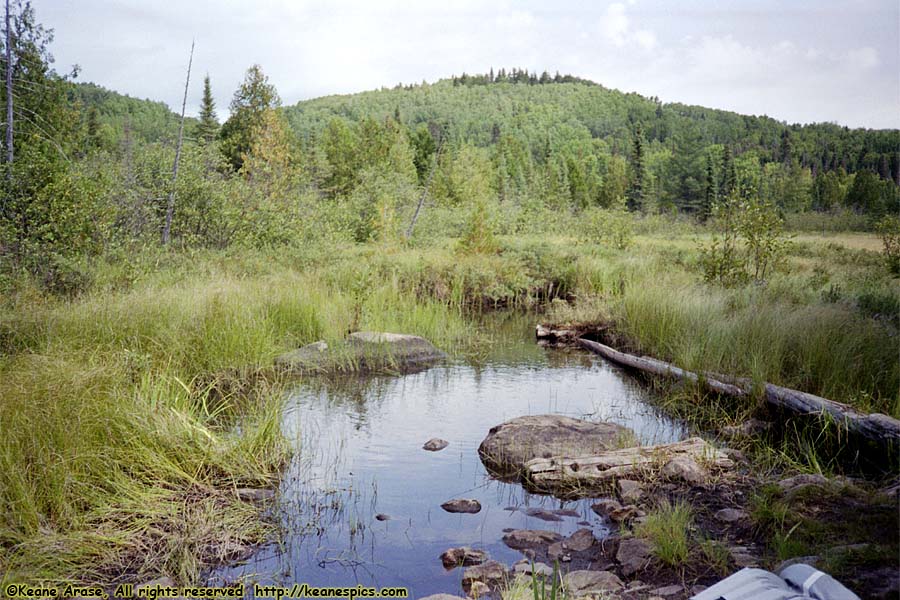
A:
[129,411]
[132,413]
[667,528]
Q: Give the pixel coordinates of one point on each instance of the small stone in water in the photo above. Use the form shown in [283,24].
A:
[462,505]
[435,444]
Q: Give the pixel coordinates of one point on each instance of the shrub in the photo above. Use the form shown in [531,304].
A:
[889,230]
[613,227]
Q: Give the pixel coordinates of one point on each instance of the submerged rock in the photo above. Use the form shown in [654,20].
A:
[510,445]
[463,557]
[435,444]
[542,514]
[526,539]
[363,351]
[462,505]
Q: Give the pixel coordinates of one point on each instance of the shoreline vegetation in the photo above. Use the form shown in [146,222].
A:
[147,285]
[136,410]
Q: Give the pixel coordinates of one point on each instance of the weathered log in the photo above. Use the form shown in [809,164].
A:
[875,427]
[660,368]
[636,462]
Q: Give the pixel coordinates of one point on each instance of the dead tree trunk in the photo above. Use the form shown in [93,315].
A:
[9,98]
[881,429]
[437,156]
[170,207]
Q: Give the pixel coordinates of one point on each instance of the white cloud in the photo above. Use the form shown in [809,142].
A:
[615,24]
[616,28]
[864,58]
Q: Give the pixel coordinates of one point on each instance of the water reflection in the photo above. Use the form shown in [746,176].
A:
[359,442]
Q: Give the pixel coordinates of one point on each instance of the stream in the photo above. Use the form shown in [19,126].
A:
[359,454]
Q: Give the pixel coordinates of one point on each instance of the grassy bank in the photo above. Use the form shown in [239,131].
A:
[121,404]
[133,412]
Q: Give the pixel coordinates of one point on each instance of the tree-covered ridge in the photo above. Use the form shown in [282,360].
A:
[120,114]
[582,125]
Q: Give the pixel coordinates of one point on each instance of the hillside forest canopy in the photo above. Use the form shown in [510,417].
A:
[92,168]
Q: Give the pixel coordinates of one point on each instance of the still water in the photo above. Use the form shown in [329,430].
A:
[359,454]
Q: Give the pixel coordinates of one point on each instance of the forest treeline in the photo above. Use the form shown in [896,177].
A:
[91,170]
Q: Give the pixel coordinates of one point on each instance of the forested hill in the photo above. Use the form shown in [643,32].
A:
[578,125]
[146,120]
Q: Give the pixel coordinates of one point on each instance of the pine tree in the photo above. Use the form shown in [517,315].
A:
[209,124]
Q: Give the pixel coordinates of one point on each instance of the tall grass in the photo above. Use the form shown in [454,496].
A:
[789,331]
[130,416]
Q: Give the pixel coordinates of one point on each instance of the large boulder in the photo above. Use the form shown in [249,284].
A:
[510,445]
[363,351]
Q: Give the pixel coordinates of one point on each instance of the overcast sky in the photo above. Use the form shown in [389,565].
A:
[798,61]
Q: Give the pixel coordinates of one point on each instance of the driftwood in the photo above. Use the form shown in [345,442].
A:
[875,427]
[636,462]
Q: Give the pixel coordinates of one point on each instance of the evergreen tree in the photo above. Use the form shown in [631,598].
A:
[93,128]
[638,171]
[729,174]
[209,124]
[255,96]
[709,196]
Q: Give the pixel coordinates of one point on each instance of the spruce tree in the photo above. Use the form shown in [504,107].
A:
[209,124]
[729,174]
[638,171]
[709,196]
[255,96]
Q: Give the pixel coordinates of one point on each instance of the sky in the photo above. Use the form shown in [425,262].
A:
[796,61]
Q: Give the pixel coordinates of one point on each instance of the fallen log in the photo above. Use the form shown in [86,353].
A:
[639,462]
[875,427]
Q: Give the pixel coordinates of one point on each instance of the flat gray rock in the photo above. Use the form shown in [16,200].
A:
[510,445]
[580,583]
[523,539]
[363,351]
